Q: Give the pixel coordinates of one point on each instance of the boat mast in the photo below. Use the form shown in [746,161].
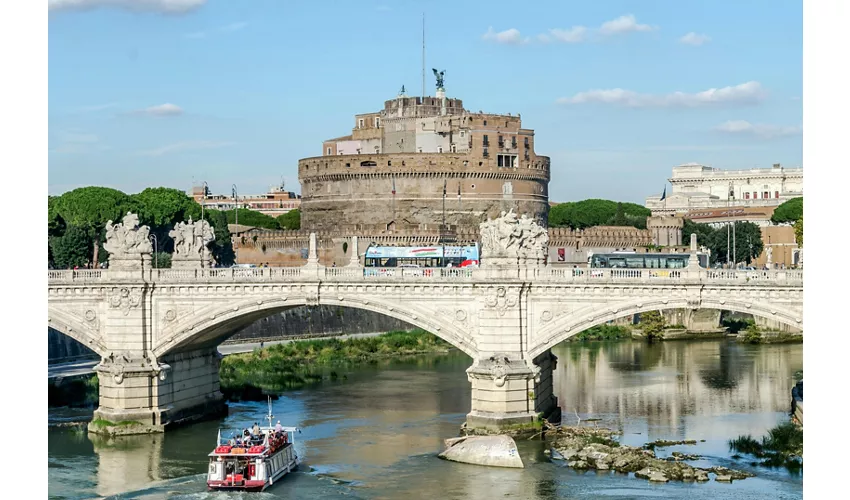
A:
[270,417]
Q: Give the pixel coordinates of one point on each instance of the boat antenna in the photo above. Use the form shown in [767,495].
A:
[423,57]
[270,417]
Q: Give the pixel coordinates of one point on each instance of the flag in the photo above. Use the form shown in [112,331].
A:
[393,185]
[664,194]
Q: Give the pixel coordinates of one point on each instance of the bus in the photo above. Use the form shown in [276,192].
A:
[433,256]
[631,260]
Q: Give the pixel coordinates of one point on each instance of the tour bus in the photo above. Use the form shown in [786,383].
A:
[633,260]
[382,260]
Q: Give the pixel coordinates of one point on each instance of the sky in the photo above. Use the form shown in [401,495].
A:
[178,92]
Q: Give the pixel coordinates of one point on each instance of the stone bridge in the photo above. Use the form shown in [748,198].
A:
[156,330]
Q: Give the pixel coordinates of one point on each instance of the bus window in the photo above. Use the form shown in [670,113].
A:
[653,262]
[634,262]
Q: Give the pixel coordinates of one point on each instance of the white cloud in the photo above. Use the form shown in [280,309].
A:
[162,6]
[623,24]
[764,131]
[695,39]
[184,146]
[509,36]
[743,94]
[166,109]
[575,34]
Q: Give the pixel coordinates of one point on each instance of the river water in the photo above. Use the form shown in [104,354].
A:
[376,434]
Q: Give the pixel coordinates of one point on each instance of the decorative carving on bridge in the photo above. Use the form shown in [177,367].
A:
[510,241]
[125,299]
[128,244]
[501,299]
[455,315]
[191,240]
[546,316]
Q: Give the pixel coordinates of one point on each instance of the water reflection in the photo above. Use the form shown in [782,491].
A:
[127,463]
[667,382]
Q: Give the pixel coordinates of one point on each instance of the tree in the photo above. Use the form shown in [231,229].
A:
[798,232]
[163,206]
[747,242]
[595,212]
[222,247]
[252,218]
[652,323]
[788,212]
[90,208]
[704,232]
[290,220]
[72,248]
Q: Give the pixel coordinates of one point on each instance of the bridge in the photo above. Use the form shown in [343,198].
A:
[156,330]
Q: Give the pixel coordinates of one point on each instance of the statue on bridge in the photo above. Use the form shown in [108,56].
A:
[190,244]
[510,241]
[128,243]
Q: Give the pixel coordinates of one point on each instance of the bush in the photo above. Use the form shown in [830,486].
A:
[652,323]
[788,212]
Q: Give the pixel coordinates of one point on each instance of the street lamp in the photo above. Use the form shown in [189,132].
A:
[236,224]
[204,200]
[155,250]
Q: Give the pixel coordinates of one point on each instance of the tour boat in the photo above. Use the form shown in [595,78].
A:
[256,465]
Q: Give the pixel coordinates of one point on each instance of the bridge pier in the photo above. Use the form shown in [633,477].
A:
[509,391]
[184,387]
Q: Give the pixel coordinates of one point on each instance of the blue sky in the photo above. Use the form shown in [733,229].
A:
[164,92]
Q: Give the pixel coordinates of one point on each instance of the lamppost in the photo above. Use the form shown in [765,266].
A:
[204,200]
[155,250]
[236,212]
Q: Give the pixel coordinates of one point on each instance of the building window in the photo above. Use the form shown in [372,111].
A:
[454,148]
[526,155]
[755,195]
[439,149]
[513,142]
[377,121]
[526,142]
[486,153]
[485,123]
[360,123]
[461,133]
[329,151]
[746,196]
[506,161]
[486,141]
[777,194]
[766,195]
[501,141]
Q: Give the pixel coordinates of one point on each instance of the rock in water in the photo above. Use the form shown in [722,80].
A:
[495,451]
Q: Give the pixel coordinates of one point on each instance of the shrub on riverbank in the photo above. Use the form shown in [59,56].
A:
[285,366]
[76,393]
[782,446]
[603,332]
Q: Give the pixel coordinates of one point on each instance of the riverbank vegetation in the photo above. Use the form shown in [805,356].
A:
[295,364]
[603,332]
[783,446]
[81,392]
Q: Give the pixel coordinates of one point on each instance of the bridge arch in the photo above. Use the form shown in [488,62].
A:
[76,329]
[213,325]
[560,329]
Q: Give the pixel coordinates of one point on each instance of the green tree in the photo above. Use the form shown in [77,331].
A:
[90,208]
[252,218]
[290,220]
[746,242]
[595,212]
[163,206]
[72,248]
[798,232]
[619,218]
[222,247]
[161,260]
[788,212]
[704,232]
[652,323]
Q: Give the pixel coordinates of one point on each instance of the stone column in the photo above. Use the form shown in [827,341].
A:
[508,392]
[183,388]
[354,259]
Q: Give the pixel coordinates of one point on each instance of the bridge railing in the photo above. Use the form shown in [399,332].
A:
[348,274]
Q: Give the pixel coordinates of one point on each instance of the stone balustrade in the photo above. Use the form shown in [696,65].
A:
[349,274]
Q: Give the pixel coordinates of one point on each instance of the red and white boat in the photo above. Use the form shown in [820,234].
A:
[256,464]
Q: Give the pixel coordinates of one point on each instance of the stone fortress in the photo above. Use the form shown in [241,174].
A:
[422,164]
[425,171]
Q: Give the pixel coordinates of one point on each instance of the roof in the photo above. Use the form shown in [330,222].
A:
[343,138]
[241,228]
[765,212]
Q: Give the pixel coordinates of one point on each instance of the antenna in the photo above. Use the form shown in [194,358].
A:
[423,57]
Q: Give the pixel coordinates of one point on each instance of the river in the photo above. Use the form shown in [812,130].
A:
[376,434]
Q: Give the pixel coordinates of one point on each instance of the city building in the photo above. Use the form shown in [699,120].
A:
[697,187]
[422,166]
[276,202]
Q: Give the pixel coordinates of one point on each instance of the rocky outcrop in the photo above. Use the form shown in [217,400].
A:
[495,451]
[596,448]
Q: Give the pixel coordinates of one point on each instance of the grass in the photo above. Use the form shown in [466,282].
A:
[604,332]
[295,364]
[783,446]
